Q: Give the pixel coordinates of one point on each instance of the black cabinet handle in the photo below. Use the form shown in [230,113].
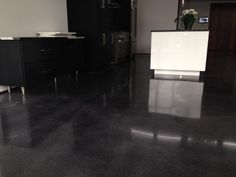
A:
[103,39]
[112,38]
[46,71]
[73,47]
[45,50]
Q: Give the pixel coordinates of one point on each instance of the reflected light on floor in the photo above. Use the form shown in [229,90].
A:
[141,133]
[160,137]
[229,144]
[169,138]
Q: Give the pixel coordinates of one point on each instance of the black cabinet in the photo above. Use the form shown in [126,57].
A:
[75,54]
[26,61]
[11,67]
[99,21]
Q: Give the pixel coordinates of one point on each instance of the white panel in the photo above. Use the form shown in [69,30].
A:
[182,50]
[180,73]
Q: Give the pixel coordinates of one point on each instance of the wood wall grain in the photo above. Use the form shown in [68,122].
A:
[222,26]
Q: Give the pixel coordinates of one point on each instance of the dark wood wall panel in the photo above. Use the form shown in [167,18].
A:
[222,26]
[221,69]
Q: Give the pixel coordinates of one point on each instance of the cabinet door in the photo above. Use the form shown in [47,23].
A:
[106,20]
[42,58]
[76,55]
[83,16]
[11,66]
[37,49]
[38,72]
[59,59]
[99,58]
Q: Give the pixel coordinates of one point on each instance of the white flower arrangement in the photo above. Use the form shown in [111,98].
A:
[188,17]
[190,12]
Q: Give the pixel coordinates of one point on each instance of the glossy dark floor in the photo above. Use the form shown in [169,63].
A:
[123,123]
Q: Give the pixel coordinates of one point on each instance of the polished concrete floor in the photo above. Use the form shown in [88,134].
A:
[123,123]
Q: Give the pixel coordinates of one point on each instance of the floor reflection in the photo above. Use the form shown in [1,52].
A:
[120,123]
[177,98]
[221,71]
[29,124]
[28,121]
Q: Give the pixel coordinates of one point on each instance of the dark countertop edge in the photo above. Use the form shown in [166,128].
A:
[178,30]
[35,37]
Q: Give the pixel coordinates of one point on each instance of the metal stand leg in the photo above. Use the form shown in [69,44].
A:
[23,90]
[55,80]
[69,75]
[112,91]
[55,84]
[9,89]
[23,99]
[104,98]
[76,75]
[9,98]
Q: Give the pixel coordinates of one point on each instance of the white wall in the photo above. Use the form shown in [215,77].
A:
[25,17]
[154,15]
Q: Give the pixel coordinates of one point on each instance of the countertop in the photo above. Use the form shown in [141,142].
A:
[35,37]
[177,30]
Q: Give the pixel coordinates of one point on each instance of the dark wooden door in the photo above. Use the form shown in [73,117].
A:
[222,26]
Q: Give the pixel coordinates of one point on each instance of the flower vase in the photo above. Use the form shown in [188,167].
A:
[188,26]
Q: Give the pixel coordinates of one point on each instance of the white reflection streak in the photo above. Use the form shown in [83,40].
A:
[229,144]
[205,141]
[190,139]
[139,132]
[178,138]
[151,135]
[210,142]
[170,138]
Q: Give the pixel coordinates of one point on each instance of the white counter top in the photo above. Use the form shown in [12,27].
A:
[179,52]
[36,37]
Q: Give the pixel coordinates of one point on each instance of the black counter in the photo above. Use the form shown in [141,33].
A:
[27,61]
